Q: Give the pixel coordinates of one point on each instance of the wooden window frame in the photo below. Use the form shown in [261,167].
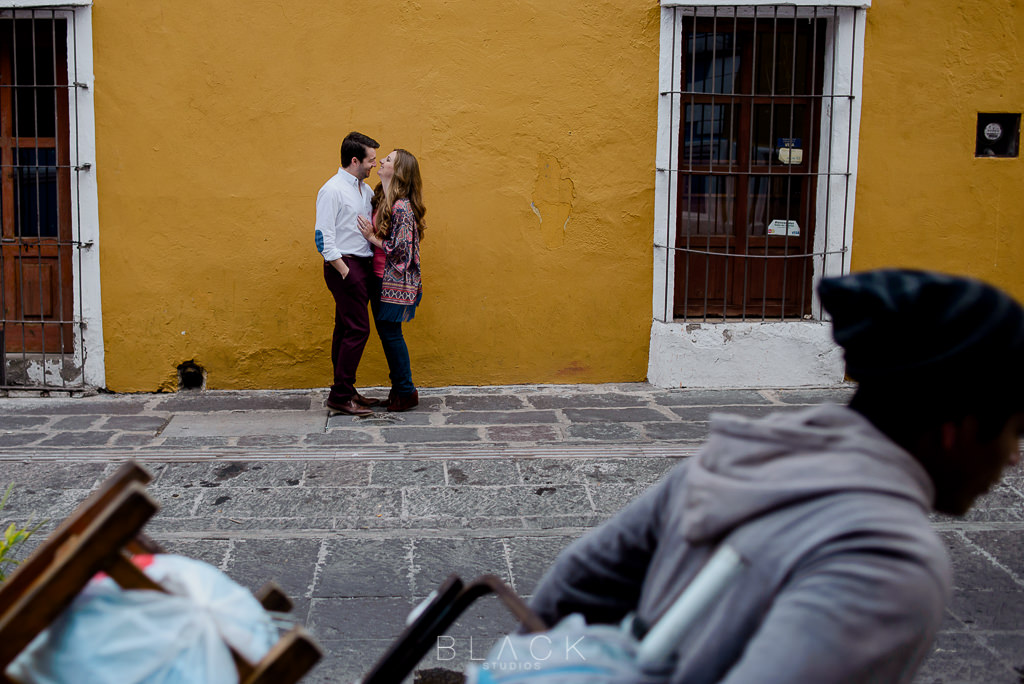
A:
[37,279]
[737,273]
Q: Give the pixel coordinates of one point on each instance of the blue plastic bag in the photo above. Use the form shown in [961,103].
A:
[572,652]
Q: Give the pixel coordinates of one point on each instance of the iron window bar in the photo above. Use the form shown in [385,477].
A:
[805,255]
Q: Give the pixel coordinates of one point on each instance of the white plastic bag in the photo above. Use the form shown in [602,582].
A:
[114,636]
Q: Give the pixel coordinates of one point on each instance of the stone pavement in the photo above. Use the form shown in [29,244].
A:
[359,519]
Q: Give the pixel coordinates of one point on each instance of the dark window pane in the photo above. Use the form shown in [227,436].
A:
[709,134]
[707,205]
[36,46]
[711,63]
[775,206]
[780,68]
[35,188]
[36,112]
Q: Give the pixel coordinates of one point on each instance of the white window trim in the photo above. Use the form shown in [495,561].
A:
[84,197]
[756,354]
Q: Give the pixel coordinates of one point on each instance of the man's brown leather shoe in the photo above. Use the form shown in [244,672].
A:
[404,402]
[350,408]
[365,401]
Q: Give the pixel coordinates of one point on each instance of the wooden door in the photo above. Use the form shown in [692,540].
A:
[35,190]
[747,174]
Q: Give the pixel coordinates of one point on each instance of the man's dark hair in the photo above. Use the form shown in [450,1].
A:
[356,145]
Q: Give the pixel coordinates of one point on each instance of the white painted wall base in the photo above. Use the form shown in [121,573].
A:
[783,354]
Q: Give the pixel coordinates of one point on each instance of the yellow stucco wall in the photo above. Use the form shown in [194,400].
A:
[923,199]
[534,123]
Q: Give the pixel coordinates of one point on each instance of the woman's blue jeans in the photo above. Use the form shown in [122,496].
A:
[395,349]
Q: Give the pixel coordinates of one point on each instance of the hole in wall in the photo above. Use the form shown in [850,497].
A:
[191,376]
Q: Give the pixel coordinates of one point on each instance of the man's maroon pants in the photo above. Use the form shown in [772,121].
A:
[351,323]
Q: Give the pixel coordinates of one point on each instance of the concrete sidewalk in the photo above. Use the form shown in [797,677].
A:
[489,419]
[360,518]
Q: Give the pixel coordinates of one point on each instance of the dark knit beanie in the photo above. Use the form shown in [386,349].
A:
[899,326]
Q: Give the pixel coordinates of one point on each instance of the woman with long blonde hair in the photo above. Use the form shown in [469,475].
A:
[395,232]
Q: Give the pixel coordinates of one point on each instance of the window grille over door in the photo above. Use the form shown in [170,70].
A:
[759,111]
[38,245]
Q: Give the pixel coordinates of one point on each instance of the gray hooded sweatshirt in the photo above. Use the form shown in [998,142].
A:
[847,580]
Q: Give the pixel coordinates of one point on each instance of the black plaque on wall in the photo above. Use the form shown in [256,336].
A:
[998,135]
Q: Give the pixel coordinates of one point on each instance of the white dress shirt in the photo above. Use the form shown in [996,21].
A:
[339,201]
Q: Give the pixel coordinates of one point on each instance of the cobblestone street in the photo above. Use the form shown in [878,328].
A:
[359,519]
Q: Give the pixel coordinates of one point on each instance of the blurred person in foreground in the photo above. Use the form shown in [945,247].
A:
[847,580]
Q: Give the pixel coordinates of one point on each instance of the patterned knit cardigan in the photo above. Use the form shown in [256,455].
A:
[401,283]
